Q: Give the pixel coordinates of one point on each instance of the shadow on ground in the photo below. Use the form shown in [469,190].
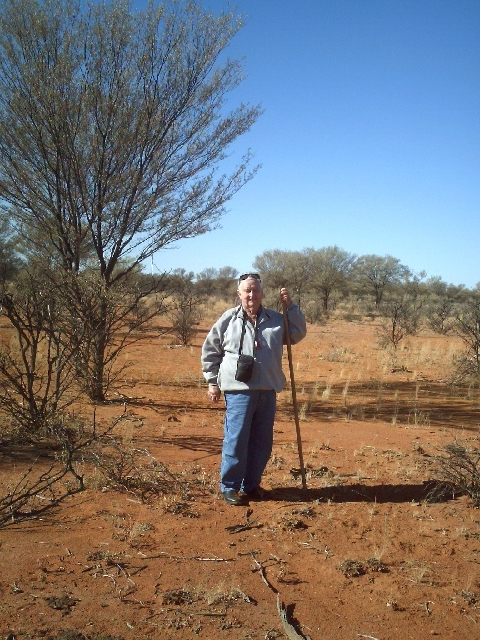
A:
[362,493]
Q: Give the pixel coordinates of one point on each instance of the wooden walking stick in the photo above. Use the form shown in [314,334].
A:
[294,396]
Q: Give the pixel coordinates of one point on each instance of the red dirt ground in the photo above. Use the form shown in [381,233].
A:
[106,565]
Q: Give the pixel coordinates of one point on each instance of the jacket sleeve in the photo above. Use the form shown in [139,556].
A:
[297,323]
[212,350]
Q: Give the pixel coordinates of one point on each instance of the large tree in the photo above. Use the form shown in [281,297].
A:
[112,128]
[442,300]
[283,268]
[331,268]
[376,274]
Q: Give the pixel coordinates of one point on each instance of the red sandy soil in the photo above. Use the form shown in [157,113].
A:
[105,564]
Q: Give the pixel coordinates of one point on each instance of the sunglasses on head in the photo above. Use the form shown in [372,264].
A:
[247,276]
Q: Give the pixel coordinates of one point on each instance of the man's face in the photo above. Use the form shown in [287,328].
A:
[250,293]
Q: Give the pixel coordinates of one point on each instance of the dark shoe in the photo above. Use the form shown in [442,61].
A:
[231,497]
[257,494]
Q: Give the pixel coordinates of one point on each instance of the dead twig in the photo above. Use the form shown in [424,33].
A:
[212,614]
[164,554]
[249,524]
[325,551]
[290,631]
[261,570]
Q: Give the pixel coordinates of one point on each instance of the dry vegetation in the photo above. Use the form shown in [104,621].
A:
[375,548]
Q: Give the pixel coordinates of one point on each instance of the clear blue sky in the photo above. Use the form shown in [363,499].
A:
[370,138]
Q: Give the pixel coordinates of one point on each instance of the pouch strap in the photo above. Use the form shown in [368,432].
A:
[243,334]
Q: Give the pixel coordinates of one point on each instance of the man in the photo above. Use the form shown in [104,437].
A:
[252,333]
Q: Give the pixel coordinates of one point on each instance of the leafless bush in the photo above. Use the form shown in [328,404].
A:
[68,331]
[457,472]
[467,327]
[56,453]
[185,314]
[465,370]
[34,494]
[101,321]
[314,312]
[439,315]
[63,445]
[37,366]
[401,318]
[126,468]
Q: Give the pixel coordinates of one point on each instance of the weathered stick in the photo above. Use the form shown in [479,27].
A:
[294,396]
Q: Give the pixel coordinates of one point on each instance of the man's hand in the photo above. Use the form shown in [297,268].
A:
[285,298]
[213,392]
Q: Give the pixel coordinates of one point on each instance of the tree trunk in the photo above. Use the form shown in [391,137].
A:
[96,387]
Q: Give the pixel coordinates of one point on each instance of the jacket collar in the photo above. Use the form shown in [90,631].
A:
[262,314]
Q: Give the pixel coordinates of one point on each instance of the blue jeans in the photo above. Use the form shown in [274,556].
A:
[248,438]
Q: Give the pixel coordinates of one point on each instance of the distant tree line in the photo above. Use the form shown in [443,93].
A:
[321,280]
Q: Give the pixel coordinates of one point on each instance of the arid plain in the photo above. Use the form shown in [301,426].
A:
[361,553]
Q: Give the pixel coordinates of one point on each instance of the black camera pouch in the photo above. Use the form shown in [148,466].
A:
[244,363]
[244,368]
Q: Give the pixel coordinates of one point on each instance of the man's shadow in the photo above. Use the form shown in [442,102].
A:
[384,493]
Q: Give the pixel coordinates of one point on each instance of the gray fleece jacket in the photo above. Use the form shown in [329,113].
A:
[220,349]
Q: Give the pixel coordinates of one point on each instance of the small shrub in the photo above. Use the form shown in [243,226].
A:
[185,314]
[177,596]
[127,468]
[401,318]
[374,564]
[467,327]
[352,568]
[314,312]
[465,370]
[458,472]
[471,598]
[38,488]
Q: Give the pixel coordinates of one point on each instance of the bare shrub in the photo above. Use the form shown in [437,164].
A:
[467,327]
[127,468]
[457,472]
[313,310]
[64,445]
[34,494]
[439,315]
[400,318]
[185,314]
[37,366]
[101,321]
